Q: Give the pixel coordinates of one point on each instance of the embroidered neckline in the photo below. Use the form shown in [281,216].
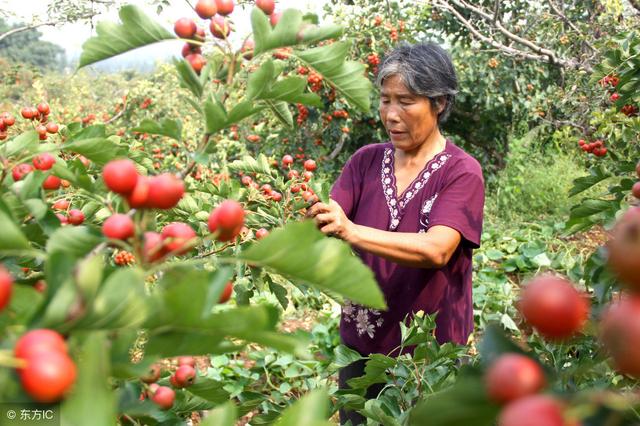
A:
[397,205]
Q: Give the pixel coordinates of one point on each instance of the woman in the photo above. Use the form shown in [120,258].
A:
[411,208]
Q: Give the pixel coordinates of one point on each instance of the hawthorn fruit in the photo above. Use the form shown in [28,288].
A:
[267,6]
[165,191]
[513,376]
[227,220]
[225,7]
[178,237]
[39,340]
[140,194]
[152,375]
[261,233]
[534,410]
[310,165]
[219,27]
[118,227]
[620,335]
[287,160]
[184,376]
[61,204]
[47,375]
[6,287]
[554,307]
[226,293]
[76,217]
[206,8]
[43,108]
[185,28]
[120,176]
[164,397]
[153,248]
[624,249]
[275,18]
[43,161]
[51,182]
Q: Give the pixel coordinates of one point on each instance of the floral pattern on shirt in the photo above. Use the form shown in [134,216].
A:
[397,207]
[364,318]
[426,209]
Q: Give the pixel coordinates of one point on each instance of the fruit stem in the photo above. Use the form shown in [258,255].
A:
[203,145]
[8,360]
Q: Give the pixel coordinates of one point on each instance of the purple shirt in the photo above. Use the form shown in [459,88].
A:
[448,191]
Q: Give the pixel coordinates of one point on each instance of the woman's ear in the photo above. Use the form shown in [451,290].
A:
[442,103]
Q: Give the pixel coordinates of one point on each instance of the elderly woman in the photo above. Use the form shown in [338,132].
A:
[411,208]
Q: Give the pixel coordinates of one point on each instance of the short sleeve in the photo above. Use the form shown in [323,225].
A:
[460,205]
[346,190]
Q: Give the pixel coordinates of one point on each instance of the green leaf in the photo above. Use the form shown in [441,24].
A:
[598,174]
[250,164]
[281,111]
[347,77]
[345,356]
[188,78]
[11,237]
[313,34]
[463,404]
[284,34]
[300,251]
[291,90]
[243,110]
[120,303]
[166,127]
[25,143]
[224,415]
[215,115]
[136,30]
[260,79]
[92,400]
[210,390]
[375,371]
[74,240]
[89,275]
[98,150]
[310,410]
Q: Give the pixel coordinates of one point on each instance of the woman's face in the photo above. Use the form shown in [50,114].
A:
[409,119]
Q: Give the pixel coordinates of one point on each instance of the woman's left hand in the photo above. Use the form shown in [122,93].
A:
[331,220]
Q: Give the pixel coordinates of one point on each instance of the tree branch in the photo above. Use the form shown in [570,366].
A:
[562,16]
[41,24]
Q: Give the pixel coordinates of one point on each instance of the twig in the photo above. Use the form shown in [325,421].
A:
[562,16]
[41,24]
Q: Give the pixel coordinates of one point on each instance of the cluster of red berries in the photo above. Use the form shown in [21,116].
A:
[597,147]
[253,138]
[315,80]
[610,82]
[74,217]
[145,104]
[303,70]
[341,114]
[377,20]
[6,120]
[40,113]
[374,60]
[123,258]
[282,53]
[303,113]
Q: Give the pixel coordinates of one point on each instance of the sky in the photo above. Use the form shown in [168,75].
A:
[72,36]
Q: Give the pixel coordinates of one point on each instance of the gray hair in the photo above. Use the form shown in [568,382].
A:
[426,69]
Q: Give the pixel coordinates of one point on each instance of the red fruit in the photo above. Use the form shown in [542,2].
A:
[153,246]
[309,197]
[62,218]
[585,148]
[535,410]
[225,7]
[581,142]
[513,376]
[295,189]
[185,376]
[267,6]
[635,189]
[177,235]
[614,97]
[624,249]
[51,182]
[187,360]
[52,128]
[152,375]
[275,18]
[220,27]
[196,61]
[287,160]
[61,204]
[266,188]
[140,194]
[9,119]
[118,227]
[43,161]
[6,287]
[226,293]
[603,152]
[27,113]
[42,130]
[206,8]
[261,233]
[76,217]
[185,28]
[39,340]
[164,397]
[227,219]
[120,176]
[554,307]
[292,174]
[276,196]
[165,191]
[20,171]
[246,180]
[43,108]
[47,375]
[247,49]
[188,49]
[310,165]
[620,335]
[307,175]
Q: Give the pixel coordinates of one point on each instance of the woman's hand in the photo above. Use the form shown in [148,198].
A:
[331,220]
